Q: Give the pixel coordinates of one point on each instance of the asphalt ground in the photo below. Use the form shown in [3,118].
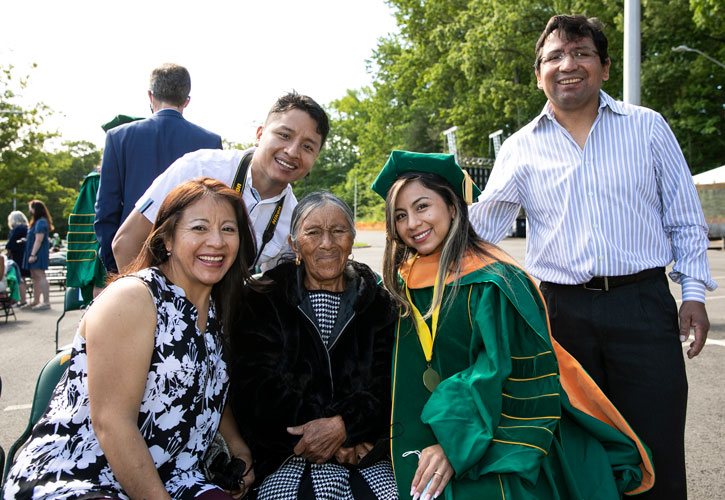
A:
[28,342]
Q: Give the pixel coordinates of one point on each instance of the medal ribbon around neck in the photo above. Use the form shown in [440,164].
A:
[431,378]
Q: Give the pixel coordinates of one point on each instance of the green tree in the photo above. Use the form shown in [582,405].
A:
[685,87]
[236,145]
[23,165]
[469,63]
[69,166]
[336,160]
[28,171]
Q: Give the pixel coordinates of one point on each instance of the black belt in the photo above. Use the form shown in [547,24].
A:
[606,283]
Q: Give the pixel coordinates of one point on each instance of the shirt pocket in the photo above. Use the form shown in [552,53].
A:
[273,251]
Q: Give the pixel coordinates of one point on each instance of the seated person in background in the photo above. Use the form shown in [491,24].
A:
[9,280]
[148,366]
[55,243]
[311,365]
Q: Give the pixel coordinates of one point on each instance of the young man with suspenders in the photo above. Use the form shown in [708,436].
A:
[285,148]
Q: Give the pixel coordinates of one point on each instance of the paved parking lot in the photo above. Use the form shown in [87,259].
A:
[26,344]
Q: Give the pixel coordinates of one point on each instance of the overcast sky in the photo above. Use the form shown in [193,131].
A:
[94,57]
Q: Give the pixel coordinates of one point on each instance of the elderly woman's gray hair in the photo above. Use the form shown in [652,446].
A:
[17,218]
[314,201]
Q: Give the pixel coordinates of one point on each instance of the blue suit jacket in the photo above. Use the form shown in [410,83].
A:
[135,154]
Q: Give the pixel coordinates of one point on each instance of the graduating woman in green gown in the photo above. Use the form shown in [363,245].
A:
[485,403]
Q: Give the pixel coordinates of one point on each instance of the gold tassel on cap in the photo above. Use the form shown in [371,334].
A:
[467,188]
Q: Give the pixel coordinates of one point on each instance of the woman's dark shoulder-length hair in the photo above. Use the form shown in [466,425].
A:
[231,287]
[40,211]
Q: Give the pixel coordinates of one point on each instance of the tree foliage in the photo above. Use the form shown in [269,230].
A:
[469,63]
[27,169]
[686,87]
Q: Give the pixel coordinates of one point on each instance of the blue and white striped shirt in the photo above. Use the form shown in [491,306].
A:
[624,203]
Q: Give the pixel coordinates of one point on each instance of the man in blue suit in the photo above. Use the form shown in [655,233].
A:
[136,153]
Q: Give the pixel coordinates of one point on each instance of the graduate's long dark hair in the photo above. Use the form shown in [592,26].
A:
[460,239]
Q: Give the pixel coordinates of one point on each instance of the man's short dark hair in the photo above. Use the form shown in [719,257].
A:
[573,27]
[293,100]
[170,83]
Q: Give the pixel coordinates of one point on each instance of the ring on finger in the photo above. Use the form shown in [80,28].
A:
[438,473]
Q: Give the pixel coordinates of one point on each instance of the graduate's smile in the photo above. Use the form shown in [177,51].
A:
[422,218]
[422,236]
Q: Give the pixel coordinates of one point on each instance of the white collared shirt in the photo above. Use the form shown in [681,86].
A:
[222,165]
[624,203]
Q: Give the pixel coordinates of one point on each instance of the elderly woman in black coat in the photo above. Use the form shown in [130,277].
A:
[311,366]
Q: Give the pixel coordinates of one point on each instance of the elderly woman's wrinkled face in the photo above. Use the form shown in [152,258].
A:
[324,242]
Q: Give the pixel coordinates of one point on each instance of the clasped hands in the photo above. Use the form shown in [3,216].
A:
[322,439]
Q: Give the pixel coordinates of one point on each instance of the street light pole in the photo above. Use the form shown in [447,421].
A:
[685,48]
[632,52]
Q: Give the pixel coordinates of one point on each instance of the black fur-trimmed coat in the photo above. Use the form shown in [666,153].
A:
[282,374]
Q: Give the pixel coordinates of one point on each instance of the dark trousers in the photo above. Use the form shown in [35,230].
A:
[627,339]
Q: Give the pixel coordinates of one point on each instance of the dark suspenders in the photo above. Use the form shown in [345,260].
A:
[240,180]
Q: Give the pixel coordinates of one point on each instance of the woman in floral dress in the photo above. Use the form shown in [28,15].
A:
[146,387]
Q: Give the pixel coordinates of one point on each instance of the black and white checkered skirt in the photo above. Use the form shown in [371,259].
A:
[329,481]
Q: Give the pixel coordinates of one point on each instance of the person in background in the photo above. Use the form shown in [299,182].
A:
[148,367]
[610,202]
[312,351]
[9,280]
[136,153]
[56,243]
[37,253]
[285,149]
[15,247]
[488,406]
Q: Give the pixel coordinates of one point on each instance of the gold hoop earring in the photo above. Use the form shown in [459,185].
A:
[297,260]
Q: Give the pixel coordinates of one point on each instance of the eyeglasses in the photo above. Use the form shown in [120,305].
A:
[579,55]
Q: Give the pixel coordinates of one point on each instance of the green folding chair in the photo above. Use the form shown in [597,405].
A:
[72,301]
[6,307]
[49,377]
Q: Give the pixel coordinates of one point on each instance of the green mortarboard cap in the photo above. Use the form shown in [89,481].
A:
[443,165]
[119,120]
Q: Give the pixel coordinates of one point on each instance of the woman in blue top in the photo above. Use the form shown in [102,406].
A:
[37,252]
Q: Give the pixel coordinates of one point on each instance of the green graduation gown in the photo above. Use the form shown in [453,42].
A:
[501,413]
[83,267]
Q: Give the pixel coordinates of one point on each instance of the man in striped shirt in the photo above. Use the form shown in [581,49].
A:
[610,202]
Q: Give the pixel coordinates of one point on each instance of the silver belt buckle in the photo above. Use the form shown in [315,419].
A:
[606,285]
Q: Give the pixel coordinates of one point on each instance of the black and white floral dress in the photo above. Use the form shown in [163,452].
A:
[185,393]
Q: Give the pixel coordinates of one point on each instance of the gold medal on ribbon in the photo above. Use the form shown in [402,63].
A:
[431,378]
